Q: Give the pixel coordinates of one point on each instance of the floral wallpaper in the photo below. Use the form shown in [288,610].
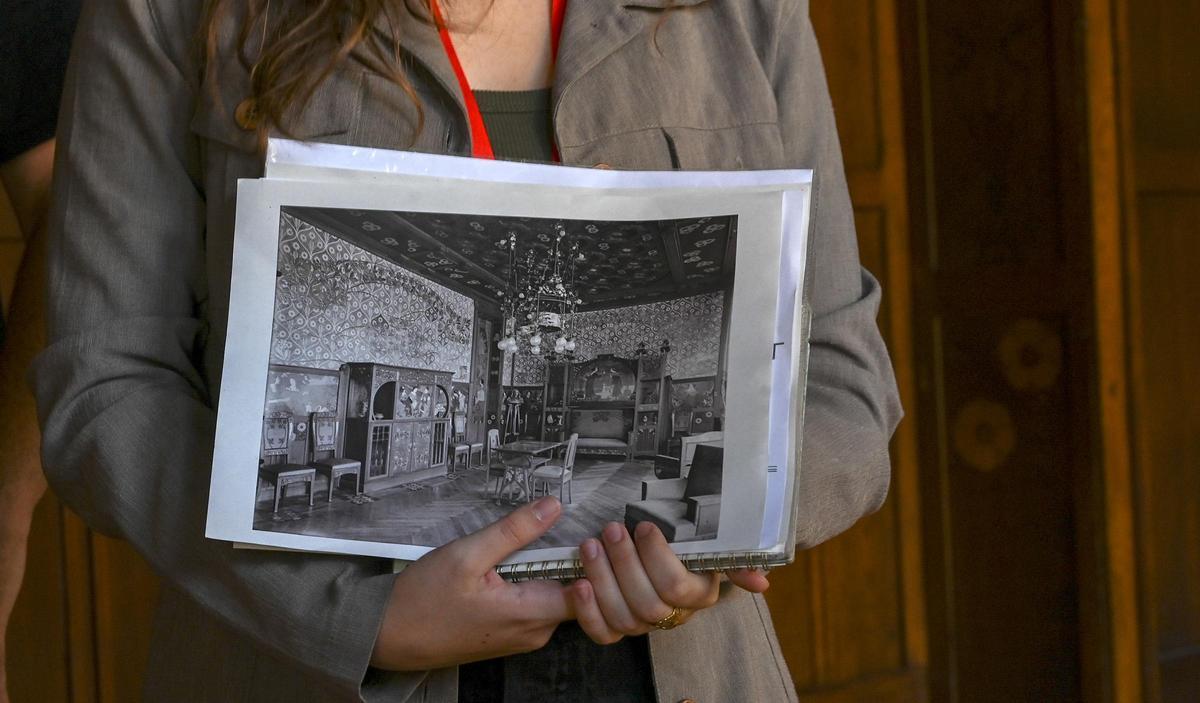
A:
[336,303]
[692,325]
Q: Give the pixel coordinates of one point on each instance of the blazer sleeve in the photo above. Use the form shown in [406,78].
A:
[126,415]
[853,405]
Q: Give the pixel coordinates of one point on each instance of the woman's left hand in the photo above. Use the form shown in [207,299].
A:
[635,584]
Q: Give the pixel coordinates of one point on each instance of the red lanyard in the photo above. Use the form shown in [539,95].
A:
[481,145]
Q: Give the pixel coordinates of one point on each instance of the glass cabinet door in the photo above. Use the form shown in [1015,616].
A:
[441,402]
[381,436]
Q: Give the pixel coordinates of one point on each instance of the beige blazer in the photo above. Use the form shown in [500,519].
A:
[139,275]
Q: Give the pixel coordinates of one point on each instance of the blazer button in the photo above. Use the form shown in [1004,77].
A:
[246,115]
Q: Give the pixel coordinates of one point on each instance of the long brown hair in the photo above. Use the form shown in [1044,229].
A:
[289,47]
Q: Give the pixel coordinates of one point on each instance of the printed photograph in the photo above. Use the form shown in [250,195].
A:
[429,371]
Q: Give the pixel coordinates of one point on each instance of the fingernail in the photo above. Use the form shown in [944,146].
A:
[644,529]
[613,532]
[591,549]
[545,508]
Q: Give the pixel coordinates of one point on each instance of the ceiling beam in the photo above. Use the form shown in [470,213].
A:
[729,265]
[674,254]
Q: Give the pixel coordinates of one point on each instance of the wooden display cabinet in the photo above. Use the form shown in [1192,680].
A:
[397,422]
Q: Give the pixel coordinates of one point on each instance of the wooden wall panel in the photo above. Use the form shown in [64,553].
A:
[1164,35]
[992,111]
[1008,492]
[863,611]
[1168,428]
[1158,58]
[850,613]
[849,39]
[80,632]
[125,592]
[38,657]
[1001,309]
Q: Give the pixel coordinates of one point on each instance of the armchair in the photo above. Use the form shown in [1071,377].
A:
[688,508]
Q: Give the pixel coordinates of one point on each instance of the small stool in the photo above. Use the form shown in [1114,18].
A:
[476,448]
[464,451]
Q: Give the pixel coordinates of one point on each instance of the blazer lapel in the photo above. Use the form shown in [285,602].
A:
[593,29]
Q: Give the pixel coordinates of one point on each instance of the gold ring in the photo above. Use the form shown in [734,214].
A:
[671,620]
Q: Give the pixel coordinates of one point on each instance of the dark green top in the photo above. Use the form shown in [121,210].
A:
[518,123]
[570,667]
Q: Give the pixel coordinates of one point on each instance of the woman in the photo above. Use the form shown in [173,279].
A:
[143,226]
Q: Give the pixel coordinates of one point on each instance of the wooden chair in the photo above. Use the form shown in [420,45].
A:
[274,467]
[557,473]
[322,433]
[496,468]
[476,450]
[461,447]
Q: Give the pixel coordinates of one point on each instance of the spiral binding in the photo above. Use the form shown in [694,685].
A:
[571,569]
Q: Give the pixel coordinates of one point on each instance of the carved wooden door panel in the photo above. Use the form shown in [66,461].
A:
[402,461]
[422,446]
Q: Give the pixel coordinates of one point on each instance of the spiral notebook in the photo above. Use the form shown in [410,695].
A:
[418,343]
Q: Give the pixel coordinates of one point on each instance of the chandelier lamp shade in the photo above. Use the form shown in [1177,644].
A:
[540,297]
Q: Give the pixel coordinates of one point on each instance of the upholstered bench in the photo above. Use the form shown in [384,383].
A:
[606,431]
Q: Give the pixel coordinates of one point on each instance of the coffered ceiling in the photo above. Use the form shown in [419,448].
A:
[624,263]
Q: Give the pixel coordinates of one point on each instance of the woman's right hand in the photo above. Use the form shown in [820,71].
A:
[450,607]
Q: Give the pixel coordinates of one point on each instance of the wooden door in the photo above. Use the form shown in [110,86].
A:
[1144,109]
[1001,274]
[850,613]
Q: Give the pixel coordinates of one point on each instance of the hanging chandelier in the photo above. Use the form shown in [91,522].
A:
[540,298]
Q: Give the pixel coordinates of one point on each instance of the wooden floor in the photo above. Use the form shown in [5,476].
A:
[446,509]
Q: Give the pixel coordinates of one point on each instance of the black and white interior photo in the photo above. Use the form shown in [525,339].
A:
[430,371]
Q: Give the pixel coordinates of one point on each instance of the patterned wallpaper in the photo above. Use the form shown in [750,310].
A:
[693,326]
[336,303]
